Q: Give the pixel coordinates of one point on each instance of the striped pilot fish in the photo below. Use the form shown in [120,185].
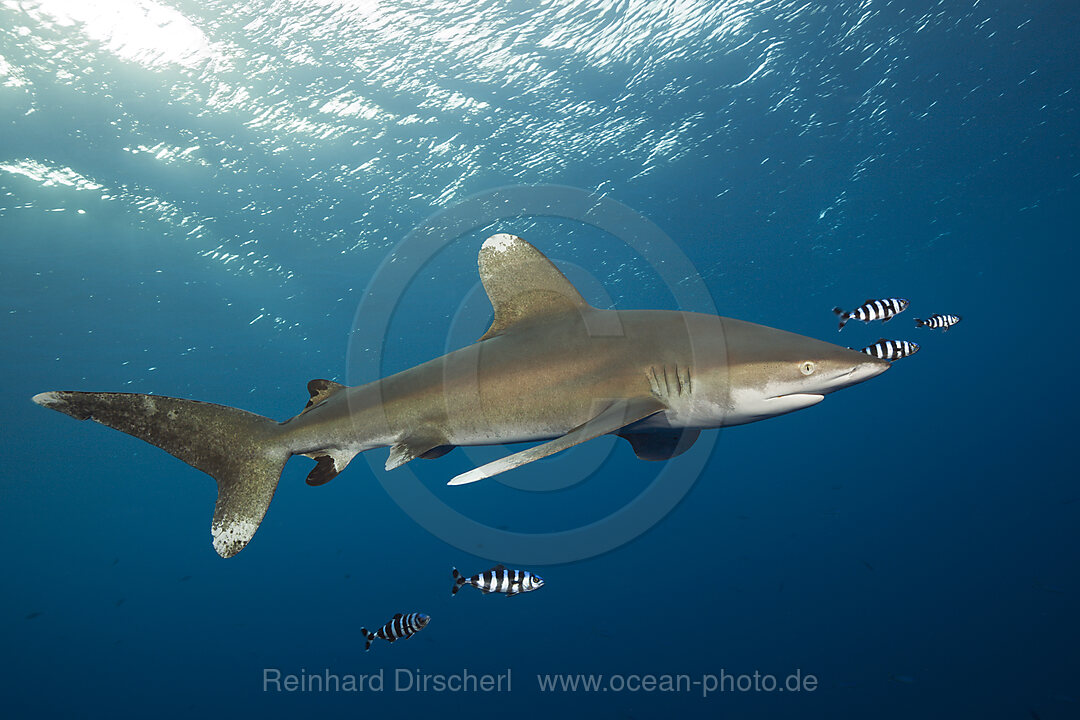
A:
[402,626]
[884,310]
[891,349]
[936,321]
[499,579]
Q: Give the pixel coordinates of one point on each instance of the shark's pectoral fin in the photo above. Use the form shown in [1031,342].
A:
[320,390]
[416,446]
[661,444]
[618,414]
[329,464]
[522,284]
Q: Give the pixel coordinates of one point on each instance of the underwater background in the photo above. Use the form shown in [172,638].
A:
[196,196]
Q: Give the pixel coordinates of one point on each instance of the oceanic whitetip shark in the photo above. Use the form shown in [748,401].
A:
[551,368]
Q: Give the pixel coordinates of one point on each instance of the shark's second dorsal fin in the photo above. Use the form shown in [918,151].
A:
[522,284]
[320,390]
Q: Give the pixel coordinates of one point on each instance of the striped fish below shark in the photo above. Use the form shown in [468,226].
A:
[884,310]
[400,626]
[498,579]
[551,370]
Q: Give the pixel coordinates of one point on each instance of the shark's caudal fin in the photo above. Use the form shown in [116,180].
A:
[241,450]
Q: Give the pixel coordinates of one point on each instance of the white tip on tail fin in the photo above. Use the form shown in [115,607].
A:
[501,242]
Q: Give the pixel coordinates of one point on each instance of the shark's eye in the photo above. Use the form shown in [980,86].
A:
[807,368]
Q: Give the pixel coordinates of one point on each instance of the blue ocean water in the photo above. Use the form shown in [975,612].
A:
[198,198]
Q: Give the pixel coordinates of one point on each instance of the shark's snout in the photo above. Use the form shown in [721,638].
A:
[865,369]
[861,369]
[875,367]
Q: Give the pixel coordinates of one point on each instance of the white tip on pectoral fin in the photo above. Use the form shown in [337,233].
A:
[501,465]
[469,477]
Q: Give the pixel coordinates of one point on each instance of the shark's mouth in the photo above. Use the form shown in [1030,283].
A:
[792,401]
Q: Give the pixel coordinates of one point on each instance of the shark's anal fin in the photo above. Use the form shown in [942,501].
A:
[522,284]
[330,462]
[423,445]
[323,472]
[320,390]
[661,444]
[618,414]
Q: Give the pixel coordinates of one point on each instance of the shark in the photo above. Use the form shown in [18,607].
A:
[552,370]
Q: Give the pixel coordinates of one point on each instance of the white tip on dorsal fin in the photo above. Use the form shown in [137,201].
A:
[522,284]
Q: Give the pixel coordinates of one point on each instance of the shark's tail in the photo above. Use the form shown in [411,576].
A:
[843,317]
[369,636]
[920,323]
[242,451]
[459,580]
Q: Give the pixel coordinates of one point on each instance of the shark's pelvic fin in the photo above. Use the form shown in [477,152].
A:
[320,390]
[437,452]
[417,446]
[617,415]
[522,284]
[240,450]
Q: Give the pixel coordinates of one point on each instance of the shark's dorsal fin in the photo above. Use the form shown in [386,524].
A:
[522,284]
[320,390]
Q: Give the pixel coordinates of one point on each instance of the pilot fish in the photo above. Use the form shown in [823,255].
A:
[402,626]
[891,349]
[499,579]
[936,321]
[883,310]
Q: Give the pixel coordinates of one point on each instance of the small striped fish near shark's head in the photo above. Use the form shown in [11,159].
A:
[774,372]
